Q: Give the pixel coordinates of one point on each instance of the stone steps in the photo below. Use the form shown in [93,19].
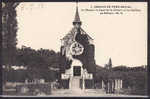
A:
[99,91]
[75,83]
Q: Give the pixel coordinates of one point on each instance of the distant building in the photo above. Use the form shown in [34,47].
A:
[113,85]
[109,65]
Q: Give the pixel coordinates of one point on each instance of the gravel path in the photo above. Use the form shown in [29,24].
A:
[87,92]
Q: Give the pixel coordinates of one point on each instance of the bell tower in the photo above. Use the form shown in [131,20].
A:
[77,23]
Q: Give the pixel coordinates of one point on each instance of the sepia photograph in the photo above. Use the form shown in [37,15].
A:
[74,49]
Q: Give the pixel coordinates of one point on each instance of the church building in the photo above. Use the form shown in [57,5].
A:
[77,63]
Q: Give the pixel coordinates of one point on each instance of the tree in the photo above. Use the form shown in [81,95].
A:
[38,62]
[9,30]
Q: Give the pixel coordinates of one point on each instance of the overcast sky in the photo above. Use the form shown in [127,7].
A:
[121,37]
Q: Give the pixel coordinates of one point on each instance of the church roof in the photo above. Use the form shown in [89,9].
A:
[72,33]
[70,37]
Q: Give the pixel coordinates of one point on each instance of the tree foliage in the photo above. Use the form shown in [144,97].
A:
[133,77]
[9,30]
[42,58]
[38,62]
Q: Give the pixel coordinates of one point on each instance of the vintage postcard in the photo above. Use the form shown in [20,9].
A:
[69,49]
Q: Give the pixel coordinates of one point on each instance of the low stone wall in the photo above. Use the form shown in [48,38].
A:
[33,89]
[129,91]
[89,84]
[64,83]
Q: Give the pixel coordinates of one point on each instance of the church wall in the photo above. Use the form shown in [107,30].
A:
[91,68]
[64,64]
[99,85]
[87,58]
